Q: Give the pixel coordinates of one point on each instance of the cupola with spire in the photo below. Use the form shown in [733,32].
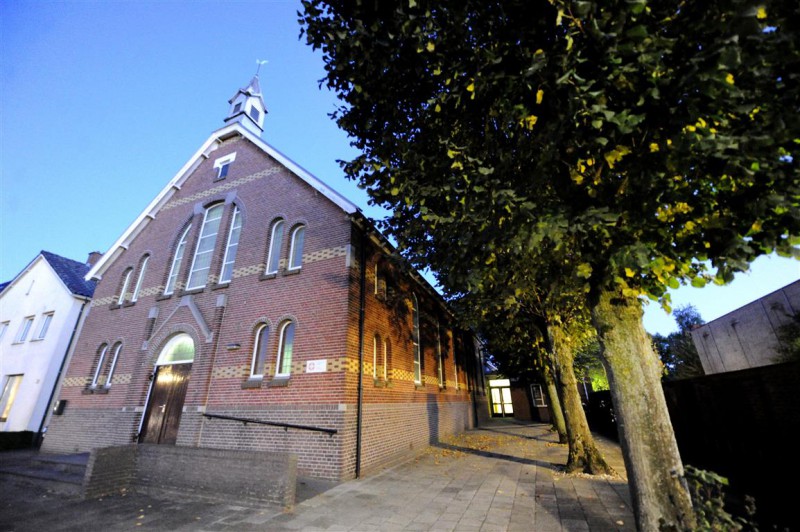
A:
[247,107]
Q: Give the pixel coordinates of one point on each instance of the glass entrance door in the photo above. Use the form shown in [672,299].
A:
[501,398]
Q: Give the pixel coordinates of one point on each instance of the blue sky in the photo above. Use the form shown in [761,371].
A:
[101,103]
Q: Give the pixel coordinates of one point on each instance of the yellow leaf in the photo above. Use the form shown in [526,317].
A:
[438,108]
[457,165]
[529,121]
[761,14]
[539,96]
[538,52]
[569,43]
[653,147]
[471,87]
[629,272]
[451,153]
[729,78]
[430,46]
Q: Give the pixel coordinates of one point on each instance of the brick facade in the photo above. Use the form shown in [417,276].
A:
[323,299]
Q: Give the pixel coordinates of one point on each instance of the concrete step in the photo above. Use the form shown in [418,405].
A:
[70,463]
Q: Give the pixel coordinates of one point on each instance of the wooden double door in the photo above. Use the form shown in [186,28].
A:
[165,406]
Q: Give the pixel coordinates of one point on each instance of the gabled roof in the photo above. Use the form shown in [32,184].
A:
[174,185]
[71,272]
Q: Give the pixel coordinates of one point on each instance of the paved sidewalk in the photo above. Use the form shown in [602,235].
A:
[503,477]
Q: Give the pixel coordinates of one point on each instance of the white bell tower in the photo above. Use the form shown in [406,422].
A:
[247,107]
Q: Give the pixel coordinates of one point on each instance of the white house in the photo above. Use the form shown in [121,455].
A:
[40,311]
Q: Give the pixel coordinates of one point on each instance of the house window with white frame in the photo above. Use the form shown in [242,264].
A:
[285,348]
[3,328]
[46,319]
[386,348]
[117,348]
[415,340]
[376,342]
[296,248]
[8,394]
[174,270]
[259,364]
[275,241]
[233,244]
[24,329]
[201,262]
[140,279]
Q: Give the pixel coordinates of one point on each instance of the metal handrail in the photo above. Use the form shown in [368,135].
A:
[285,426]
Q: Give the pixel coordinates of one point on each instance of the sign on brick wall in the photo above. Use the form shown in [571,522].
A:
[317,366]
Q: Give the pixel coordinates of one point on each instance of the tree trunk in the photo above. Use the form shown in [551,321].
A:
[555,404]
[583,454]
[655,472]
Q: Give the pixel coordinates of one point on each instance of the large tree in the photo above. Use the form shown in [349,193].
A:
[654,140]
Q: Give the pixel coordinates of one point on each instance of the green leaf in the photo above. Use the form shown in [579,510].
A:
[698,282]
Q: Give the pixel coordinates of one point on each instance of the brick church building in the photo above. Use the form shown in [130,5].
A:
[250,290]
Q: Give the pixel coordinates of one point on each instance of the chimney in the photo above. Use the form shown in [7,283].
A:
[94,256]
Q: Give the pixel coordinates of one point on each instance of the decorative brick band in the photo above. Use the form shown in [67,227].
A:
[223,187]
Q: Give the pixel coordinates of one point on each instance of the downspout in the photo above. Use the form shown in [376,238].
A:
[361,305]
[56,384]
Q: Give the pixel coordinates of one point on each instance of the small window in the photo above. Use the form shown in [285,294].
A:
[201,263]
[126,282]
[24,329]
[99,369]
[260,352]
[3,329]
[285,348]
[233,245]
[415,340]
[275,240]
[237,107]
[46,319]
[255,114]
[140,279]
[174,270]
[538,396]
[296,249]
[222,165]
[10,388]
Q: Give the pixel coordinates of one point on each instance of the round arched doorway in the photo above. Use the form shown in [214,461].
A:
[168,390]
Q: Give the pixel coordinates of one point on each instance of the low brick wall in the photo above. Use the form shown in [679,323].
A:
[244,476]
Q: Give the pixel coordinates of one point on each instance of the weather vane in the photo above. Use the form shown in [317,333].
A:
[260,62]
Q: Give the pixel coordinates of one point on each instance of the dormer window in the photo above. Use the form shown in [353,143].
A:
[255,114]
[223,164]
[237,107]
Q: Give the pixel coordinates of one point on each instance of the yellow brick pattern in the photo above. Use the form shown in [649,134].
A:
[222,187]
[229,372]
[77,382]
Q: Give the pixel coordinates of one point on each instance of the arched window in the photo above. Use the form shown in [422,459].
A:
[296,249]
[285,348]
[178,350]
[201,262]
[376,345]
[126,283]
[233,245]
[115,358]
[140,279]
[386,348]
[275,240]
[98,370]
[415,340]
[174,270]
[260,352]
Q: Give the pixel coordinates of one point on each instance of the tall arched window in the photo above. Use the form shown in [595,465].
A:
[285,348]
[386,348]
[98,370]
[275,240]
[115,358]
[233,244]
[140,279]
[126,283]
[376,344]
[296,249]
[260,352]
[201,262]
[415,340]
[175,269]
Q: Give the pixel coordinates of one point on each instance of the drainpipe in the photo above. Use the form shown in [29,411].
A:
[361,305]
[39,434]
